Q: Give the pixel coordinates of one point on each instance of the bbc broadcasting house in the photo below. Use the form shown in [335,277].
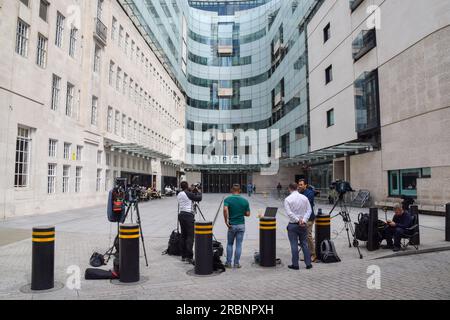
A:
[223,92]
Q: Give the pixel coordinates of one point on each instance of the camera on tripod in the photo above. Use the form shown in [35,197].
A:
[341,187]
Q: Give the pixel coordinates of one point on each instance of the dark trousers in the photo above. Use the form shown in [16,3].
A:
[299,235]
[393,232]
[187,222]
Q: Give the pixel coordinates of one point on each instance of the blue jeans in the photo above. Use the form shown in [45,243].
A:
[235,232]
[298,234]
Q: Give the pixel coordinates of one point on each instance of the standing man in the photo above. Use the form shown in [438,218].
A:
[249,189]
[279,187]
[298,210]
[187,220]
[309,192]
[235,209]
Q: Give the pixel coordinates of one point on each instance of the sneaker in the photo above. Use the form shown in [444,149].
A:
[294,267]
[228,265]
[309,267]
[237,266]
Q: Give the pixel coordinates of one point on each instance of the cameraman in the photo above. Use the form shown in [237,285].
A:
[187,220]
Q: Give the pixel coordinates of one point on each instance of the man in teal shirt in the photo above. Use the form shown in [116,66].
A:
[235,209]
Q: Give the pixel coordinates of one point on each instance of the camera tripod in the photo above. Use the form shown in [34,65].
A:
[132,206]
[347,222]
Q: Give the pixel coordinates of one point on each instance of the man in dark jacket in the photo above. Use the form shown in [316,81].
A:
[187,220]
[309,192]
[396,228]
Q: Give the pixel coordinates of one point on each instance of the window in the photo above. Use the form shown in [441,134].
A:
[25,2]
[367,102]
[301,132]
[79,153]
[330,118]
[107,179]
[404,182]
[73,42]
[23,154]
[67,150]
[43,10]
[124,125]
[363,43]
[78,176]
[329,74]
[94,110]
[355,4]
[327,33]
[22,35]
[56,88]
[52,148]
[51,178]
[99,157]
[118,79]
[125,84]
[111,73]
[66,179]
[41,53]
[120,37]
[127,42]
[117,123]
[69,99]
[108,158]
[60,20]
[97,58]
[109,120]
[98,180]
[113,28]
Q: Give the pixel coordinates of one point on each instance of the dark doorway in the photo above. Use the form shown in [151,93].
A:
[222,183]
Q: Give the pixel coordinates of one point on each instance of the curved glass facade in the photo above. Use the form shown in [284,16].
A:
[242,65]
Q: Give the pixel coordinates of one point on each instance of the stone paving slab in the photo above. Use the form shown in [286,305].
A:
[81,232]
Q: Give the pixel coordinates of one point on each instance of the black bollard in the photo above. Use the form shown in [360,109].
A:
[268,242]
[43,258]
[414,210]
[203,248]
[447,222]
[373,241]
[323,231]
[129,253]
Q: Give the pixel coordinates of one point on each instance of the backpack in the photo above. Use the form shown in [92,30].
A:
[174,246]
[99,274]
[362,227]
[328,252]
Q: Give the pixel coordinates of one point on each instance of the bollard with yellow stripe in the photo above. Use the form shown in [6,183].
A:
[267,241]
[129,253]
[203,248]
[43,258]
[323,230]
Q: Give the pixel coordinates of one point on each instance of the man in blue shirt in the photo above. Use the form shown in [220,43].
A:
[397,228]
[309,192]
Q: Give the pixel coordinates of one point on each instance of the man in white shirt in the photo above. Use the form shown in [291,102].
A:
[298,209]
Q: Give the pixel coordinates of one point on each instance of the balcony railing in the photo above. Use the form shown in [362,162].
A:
[365,42]
[101,31]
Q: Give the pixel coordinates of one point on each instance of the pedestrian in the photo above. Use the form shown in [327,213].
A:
[279,188]
[309,192]
[187,220]
[298,209]
[235,209]
[249,189]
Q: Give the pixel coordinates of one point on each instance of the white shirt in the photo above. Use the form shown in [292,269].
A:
[297,207]
[184,202]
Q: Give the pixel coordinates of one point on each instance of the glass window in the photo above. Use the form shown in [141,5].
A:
[330,118]
[22,164]
[60,20]
[23,30]
[51,178]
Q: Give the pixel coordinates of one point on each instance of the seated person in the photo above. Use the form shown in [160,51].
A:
[396,228]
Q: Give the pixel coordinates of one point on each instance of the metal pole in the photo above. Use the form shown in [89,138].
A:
[203,248]
[43,258]
[129,253]
[373,243]
[447,222]
[267,241]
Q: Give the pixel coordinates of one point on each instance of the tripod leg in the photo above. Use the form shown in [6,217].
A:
[142,234]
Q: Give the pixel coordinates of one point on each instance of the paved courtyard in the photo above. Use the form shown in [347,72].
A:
[81,232]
